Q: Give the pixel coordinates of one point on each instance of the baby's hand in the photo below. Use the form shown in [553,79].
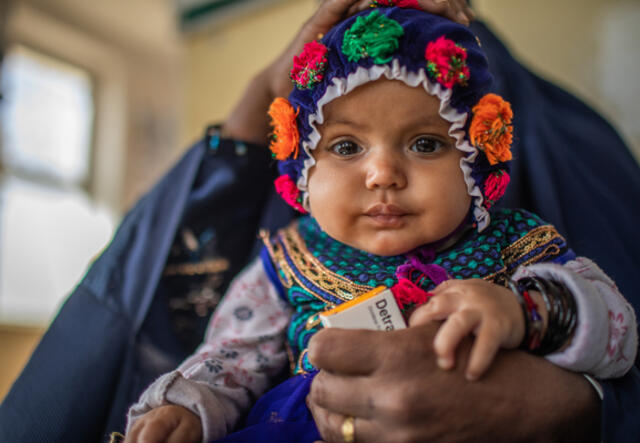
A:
[489,311]
[166,424]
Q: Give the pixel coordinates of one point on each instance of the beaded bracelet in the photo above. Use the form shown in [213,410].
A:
[561,313]
[532,319]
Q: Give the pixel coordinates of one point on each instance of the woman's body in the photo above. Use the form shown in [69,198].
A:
[402,214]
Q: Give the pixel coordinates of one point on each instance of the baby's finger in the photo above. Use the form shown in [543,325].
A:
[437,308]
[447,286]
[153,432]
[483,352]
[458,325]
[132,435]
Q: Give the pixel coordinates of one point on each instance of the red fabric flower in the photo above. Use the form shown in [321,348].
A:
[289,192]
[495,186]
[399,3]
[308,67]
[447,62]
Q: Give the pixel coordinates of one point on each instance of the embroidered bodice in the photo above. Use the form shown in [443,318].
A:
[315,273]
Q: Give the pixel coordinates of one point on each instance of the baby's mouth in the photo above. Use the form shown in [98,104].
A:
[386,215]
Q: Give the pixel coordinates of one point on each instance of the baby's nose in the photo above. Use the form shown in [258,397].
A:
[385,171]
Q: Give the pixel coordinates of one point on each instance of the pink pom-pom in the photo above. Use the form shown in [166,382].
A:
[495,186]
[447,62]
[399,3]
[408,295]
[308,67]
[288,190]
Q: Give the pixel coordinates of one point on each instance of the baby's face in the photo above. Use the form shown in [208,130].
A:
[387,177]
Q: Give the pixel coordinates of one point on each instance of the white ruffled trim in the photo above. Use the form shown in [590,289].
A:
[393,71]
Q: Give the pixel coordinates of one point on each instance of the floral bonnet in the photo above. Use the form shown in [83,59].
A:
[420,49]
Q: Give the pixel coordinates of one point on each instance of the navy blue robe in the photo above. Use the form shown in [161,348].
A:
[111,337]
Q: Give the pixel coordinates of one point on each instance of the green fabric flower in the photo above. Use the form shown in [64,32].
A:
[374,36]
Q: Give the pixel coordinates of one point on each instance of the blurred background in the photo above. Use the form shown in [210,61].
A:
[100,98]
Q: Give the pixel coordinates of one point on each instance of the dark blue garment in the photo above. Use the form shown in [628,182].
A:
[111,338]
[115,334]
[280,416]
[571,168]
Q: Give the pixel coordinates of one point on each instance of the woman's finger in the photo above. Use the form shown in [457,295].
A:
[330,425]
[358,7]
[347,351]
[345,395]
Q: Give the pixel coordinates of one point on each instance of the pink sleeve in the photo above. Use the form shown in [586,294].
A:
[606,338]
[242,352]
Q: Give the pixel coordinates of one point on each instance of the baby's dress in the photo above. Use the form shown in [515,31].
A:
[271,312]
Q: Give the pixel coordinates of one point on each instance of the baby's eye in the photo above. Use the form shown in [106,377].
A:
[426,145]
[345,148]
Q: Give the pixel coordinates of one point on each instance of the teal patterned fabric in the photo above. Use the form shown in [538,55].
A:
[514,237]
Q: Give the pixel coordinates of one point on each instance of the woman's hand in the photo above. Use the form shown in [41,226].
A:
[390,383]
[248,121]
[168,423]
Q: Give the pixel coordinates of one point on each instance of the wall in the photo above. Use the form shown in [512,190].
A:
[134,53]
[220,61]
[16,345]
[586,46]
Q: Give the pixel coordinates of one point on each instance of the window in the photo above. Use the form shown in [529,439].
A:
[47,118]
[49,227]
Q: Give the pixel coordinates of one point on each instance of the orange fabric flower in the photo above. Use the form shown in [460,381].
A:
[285,137]
[491,129]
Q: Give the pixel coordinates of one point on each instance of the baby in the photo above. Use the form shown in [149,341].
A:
[393,145]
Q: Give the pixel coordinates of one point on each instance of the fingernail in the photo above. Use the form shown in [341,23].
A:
[440,1]
[471,377]
[463,18]
[444,363]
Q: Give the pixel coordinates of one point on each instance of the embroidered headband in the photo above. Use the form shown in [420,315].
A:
[420,49]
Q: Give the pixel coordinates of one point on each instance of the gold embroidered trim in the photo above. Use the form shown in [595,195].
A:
[536,238]
[213,266]
[299,369]
[277,255]
[309,266]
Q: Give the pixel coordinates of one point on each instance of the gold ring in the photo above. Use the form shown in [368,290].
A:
[349,429]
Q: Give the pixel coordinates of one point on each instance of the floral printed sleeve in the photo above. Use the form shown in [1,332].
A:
[606,339]
[243,351]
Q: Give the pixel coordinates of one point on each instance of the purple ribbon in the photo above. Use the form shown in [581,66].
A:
[436,273]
